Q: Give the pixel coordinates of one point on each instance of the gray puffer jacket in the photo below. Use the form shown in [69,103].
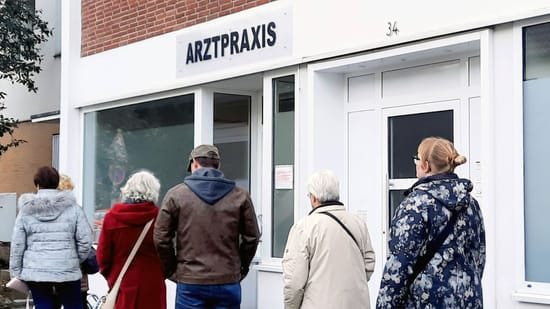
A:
[51,237]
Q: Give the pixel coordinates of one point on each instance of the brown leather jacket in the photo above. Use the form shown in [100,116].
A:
[215,243]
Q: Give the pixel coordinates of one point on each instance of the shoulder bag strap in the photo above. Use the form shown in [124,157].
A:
[132,254]
[344,227]
[433,247]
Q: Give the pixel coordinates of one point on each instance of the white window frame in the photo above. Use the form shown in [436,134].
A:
[267,261]
[527,291]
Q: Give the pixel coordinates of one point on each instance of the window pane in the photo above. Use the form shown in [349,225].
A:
[396,197]
[232,136]
[283,154]
[156,136]
[406,132]
[536,151]
[536,52]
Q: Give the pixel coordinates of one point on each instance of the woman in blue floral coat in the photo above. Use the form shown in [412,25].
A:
[452,277]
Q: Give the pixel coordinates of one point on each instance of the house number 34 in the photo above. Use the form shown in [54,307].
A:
[392,29]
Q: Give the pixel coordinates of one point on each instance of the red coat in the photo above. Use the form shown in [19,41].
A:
[143,284]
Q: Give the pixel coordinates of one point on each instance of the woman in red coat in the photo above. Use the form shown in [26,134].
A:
[143,284]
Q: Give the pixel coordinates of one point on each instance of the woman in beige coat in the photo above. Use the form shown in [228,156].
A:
[328,257]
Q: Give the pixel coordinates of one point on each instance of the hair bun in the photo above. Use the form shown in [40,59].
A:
[460,159]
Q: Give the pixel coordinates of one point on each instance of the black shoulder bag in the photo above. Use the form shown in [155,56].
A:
[432,248]
[344,227]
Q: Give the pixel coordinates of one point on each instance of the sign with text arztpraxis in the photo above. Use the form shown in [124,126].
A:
[234,42]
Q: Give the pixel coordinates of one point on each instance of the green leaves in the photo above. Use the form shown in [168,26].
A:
[21,33]
[7,126]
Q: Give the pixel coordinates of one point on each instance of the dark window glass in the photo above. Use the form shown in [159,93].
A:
[396,196]
[405,133]
[536,52]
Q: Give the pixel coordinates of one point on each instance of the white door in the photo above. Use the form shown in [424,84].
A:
[404,128]
[236,117]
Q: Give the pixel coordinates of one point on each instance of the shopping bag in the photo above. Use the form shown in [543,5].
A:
[18,285]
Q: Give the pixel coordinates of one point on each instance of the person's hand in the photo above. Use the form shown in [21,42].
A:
[244,272]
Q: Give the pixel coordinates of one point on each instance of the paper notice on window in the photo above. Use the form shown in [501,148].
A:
[284,177]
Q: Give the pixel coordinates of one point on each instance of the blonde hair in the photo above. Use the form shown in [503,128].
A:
[143,186]
[440,154]
[65,183]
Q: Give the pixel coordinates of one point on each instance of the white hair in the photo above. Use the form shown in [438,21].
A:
[142,185]
[324,185]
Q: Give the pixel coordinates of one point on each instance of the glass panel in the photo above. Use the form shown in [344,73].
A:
[536,150]
[283,154]
[395,198]
[405,133]
[156,136]
[232,136]
[55,151]
[536,52]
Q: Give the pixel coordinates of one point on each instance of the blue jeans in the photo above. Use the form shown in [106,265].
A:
[208,296]
[44,293]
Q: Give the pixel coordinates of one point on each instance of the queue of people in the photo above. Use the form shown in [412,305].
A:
[436,244]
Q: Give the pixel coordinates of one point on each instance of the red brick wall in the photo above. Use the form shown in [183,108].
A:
[108,24]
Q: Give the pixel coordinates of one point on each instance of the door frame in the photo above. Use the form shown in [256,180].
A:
[207,129]
[418,108]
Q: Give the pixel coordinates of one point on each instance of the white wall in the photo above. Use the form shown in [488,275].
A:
[353,25]
[20,103]
[328,125]
[336,27]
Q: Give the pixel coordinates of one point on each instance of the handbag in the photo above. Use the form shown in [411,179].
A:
[90,265]
[20,286]
[109,301]
[432,248]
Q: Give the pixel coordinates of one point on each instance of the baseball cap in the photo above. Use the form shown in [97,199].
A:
[203,151]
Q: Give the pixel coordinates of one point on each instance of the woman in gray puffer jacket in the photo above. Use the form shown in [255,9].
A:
[51,237]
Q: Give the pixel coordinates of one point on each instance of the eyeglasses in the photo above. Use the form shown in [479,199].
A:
[416,159]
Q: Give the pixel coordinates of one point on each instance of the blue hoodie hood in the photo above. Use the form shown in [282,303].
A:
[209,184]
[448,189]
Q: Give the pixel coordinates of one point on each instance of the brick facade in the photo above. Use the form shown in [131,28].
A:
[18,165]
[107,24]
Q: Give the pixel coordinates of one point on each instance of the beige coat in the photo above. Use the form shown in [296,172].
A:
[322,266]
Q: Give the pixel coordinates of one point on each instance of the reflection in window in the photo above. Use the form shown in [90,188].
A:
[156,136]
[536,150]
[283,155]
[232,136]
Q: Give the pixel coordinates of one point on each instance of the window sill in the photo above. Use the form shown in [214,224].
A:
[530,297]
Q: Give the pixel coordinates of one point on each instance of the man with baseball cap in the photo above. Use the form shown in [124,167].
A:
[213,225]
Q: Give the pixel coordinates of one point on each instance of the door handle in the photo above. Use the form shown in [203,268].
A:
[260,225]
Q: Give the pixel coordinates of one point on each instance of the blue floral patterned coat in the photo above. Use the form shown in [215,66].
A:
[452,278]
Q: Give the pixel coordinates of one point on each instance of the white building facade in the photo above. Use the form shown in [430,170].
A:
[290,87]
